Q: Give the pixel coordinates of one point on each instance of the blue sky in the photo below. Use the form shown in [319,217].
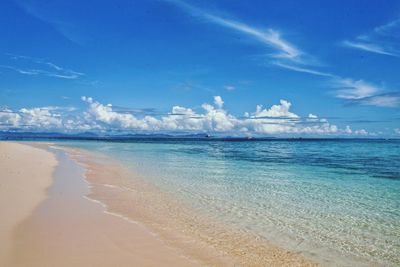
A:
[201,66]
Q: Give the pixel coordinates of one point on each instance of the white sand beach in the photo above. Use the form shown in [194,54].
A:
[46,221]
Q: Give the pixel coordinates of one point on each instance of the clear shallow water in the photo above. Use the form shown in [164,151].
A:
[339,200]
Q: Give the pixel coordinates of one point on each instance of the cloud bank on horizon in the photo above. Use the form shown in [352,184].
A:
[213,118]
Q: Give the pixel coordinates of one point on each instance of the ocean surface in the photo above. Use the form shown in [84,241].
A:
[334,200]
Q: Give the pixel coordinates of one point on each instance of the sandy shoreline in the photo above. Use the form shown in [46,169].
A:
[196,235]
[26,173]
[70,222]
[61,227]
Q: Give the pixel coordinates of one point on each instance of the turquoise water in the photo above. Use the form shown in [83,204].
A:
[336,200]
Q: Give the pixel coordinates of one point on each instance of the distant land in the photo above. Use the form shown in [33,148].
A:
[18,135]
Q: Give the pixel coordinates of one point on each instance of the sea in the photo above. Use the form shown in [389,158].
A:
[334,200]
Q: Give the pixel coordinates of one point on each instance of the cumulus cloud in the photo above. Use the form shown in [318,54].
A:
[44,117]
[41,117]
[361,132]
[278,119]
[276,111]
[218,101]
[348,130]
[8,118]
[312,116]
[211,118]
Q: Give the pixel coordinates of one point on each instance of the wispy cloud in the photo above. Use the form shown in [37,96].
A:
[391,100]
[230,87]
[65,28]
[354,89]
[290,57]
[360,92]
[285,55]
[388,28]
[21,71]
[34,66]
[302,69]
[369,47]
[269,37]
[382,40]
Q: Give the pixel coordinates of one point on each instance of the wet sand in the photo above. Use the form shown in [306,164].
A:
[64,228]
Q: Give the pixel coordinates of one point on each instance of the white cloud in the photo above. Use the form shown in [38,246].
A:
[45,119]
[360,92]
[387,29]
[286,54]
[383,40]
[390,100]
[348,130]
[269,37]
[312,116]
[273,120]
[38,67]
[302,69]
[354,89]
[105,114]
[36,118]
[218,101]
[277,119]
[369,47]
[177,110]
[361,132]
[276,111]
[41,117]
[397,130]
[230,87]
[212,118]
[8,118]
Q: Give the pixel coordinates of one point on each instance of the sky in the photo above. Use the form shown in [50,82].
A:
[226,67]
